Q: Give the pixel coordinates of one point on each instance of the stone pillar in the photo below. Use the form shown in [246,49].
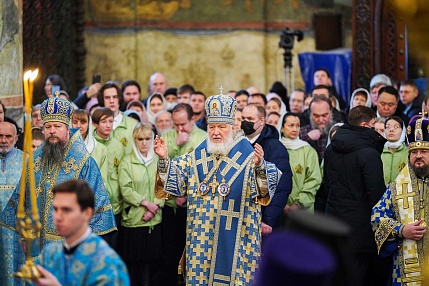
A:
[11,58]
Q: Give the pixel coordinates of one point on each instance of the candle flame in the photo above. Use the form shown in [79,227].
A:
[27,75]
[34,74]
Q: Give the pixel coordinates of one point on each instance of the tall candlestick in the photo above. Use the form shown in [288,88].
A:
[32,186]
[24,159]
[28,226]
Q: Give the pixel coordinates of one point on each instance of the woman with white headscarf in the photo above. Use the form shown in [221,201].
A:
[140,237]
[360,96]
[304,163]
[155,103]
[395,153]
[272,95]
[82,120]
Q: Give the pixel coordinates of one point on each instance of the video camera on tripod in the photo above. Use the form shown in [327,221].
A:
[287,40]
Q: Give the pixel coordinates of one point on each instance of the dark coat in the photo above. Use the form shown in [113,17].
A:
[353,172]
[275,152]
[415,107]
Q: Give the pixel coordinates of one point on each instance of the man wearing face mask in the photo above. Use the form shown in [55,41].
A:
[257,131]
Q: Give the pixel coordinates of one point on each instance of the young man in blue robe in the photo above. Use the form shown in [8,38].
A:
[81,258]
[225,181]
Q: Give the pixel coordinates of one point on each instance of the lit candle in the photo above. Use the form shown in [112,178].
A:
[32,187]
[24,158]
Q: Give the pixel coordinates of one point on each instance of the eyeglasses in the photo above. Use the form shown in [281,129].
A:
[393,126]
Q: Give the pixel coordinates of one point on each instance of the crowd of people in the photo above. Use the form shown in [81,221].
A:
[180,184]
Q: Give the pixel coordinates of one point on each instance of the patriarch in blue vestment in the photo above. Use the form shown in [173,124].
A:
[226,181]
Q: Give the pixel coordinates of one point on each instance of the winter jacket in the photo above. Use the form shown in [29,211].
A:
[353,174]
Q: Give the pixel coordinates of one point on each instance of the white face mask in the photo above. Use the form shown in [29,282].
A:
[171,105]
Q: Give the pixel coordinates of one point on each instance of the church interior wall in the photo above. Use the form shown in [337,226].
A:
[204,52]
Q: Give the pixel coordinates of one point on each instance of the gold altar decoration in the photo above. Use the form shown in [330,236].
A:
[28,224]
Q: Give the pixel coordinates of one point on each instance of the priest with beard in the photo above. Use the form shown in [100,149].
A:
[316,134]
[225,181]
[63,156]
[399,219]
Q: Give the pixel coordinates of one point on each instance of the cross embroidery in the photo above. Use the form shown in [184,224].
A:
[231,163]
[204,161]
[69,165]
[405,195]
[230,214]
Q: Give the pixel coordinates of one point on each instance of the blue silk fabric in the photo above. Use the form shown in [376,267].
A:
[78,164]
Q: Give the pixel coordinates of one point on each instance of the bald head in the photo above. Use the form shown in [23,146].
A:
[158,83]
[8,137]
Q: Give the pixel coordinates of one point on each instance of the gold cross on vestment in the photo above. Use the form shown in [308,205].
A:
[231,163]
[69,165]
[221,90]
[230,214]
[405,195]
[423,113]
[213,185]
[204,161]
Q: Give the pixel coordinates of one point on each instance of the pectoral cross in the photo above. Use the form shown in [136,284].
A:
[405,195]
[213,185]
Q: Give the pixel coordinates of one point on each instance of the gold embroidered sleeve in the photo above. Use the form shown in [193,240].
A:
[386,229]
[262,184]
[159,188]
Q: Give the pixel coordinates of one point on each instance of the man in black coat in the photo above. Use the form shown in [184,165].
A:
[353,172]
[257,131]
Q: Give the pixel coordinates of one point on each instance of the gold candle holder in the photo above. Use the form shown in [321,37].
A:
[28,224]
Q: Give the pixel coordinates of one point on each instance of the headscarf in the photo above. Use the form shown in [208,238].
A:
[150,153]
[141,105]
[272,95]
[90,141]
[332,130]
[293,144]
[289,143]
[398,143]
[150,114]
[368,97]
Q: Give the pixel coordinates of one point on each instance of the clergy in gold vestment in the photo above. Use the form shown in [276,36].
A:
[225,181]
[399,219]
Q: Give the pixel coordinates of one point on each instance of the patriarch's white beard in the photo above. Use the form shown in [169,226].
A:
[220,148]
